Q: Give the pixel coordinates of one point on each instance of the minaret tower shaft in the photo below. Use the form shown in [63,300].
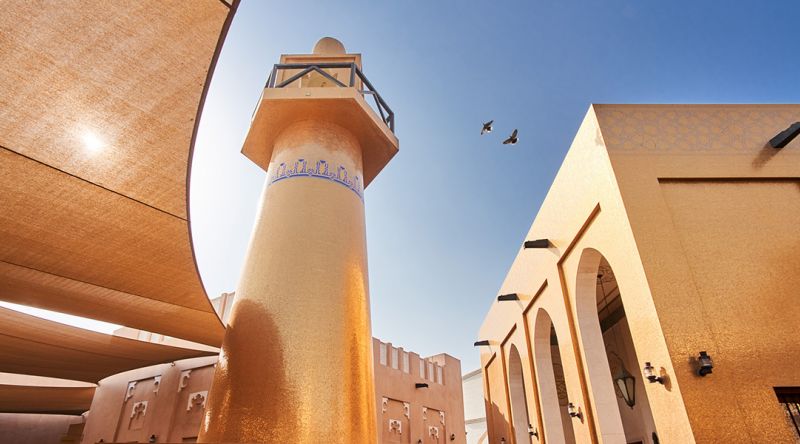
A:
[296,363]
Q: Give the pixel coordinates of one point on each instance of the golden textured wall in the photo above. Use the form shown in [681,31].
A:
[693,212]
[712,207]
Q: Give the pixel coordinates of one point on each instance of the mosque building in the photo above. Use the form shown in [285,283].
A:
[653,298]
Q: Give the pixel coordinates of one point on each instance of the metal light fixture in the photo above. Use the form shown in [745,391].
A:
[650,374]
[508,297]
[706,364]
[626,384]
[532,431]
[574,411]
[420,385]
[784,137]
[538,243]
[485,342]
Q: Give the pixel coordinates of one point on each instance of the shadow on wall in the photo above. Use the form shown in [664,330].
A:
[500,430]
[242,393]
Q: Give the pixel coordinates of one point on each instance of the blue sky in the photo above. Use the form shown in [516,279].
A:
[447,215]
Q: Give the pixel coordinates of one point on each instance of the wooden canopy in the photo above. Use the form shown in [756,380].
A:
[34,346]
[51,400]
[99,105]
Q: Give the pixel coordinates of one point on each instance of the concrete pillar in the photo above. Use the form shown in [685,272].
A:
[296,363]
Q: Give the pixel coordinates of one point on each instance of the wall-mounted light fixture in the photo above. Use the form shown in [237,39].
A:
[574,411]
[784,137]
[484,343]
[508,297]
[650,374]
[532,431]
[452,437]
[706,364]
[626,384]
[153,438]
[503,440]
[421,385]
[538,243]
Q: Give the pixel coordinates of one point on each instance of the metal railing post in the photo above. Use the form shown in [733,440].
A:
[386,113]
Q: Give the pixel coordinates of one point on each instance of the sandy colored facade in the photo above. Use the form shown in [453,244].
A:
[413,414]
[168,402]
[671,230]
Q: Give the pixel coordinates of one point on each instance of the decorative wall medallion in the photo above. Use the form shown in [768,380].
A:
[139,409]
[433,431]
[129,391]
[441,417]
[183,381]
[321,170]
[384,405]
[156,384]
[395,426]
[407,410]
[197,400]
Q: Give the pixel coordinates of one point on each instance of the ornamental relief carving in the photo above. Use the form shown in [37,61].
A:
[396,426]
[139,409]
[183,381]
[129,390]
[197,401]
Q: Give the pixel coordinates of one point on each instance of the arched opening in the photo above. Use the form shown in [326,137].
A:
[618,391]
[519,402]
[552,385]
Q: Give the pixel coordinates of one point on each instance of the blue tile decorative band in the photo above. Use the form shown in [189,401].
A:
[321,170]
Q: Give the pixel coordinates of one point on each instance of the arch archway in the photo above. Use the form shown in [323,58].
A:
[623,415]
[519,402]
[550,378]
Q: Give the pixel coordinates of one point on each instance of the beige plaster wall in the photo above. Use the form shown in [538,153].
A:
[690,208]
[583,210]
[176,403]
[164,388]
[418,409]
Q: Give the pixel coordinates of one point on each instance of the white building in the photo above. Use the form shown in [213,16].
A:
[474,408]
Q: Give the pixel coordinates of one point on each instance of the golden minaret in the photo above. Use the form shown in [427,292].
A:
[296,362]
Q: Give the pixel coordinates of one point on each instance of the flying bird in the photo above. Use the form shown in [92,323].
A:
[487,127]
[512,139]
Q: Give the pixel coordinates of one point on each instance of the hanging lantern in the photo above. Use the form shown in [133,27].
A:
[626,384]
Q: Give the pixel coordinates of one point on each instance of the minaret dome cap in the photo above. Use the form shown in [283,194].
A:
[328,45]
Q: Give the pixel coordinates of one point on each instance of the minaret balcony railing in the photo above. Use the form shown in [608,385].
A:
[355,75]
